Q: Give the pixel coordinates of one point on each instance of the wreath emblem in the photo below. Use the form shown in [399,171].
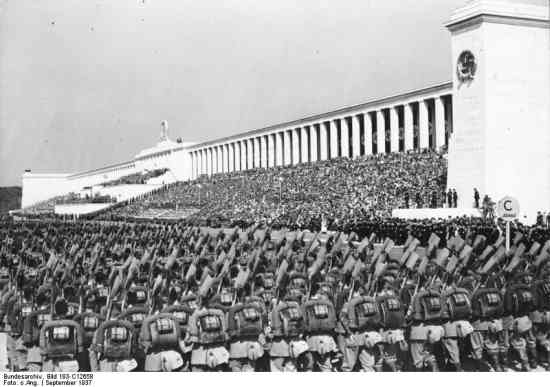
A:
[466,66]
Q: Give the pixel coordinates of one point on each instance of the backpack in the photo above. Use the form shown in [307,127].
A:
[428,306]
[392,312]
[487,304]
[245,320]
[363,314]
[287,319]
[519,300]
[115,339]
[181,313]
[90,322]
[541,290]
[164,329]
[60,339]
[135,315]
[319,316]
[458,304]
[210,326]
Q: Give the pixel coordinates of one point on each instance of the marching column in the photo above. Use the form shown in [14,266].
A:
[355,136]
[231,158]
[408,126]
[367,120]
[439,122]
[344,133]
[250,153]
[380,132]
[279,149]
[313,142]
[394,130]
[423,124]
[333,139]
[323,140]
[295,147]
[288,150]
[304,150]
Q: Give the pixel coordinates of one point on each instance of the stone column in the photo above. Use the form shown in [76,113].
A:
[279,149]
[288,148]
[263,152]
[368,133]
[439,122]
[207,151]
[323,140]
[244,155]
[214,160]
[355,136]
[270,150]
[231,158]
[295,147]
[394,130]
[333,139]
[304,150]
[257,153]
[237,147]
[344,132]
[250,153]
[193,165]
[220,159]
[423,124]
[380,132]
[408,126]
[313,143]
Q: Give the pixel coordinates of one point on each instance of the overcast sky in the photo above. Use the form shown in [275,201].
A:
[85,83]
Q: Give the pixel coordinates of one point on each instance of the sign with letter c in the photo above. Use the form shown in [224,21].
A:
[508,208]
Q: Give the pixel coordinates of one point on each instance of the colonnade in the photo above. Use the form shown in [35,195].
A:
[397,127]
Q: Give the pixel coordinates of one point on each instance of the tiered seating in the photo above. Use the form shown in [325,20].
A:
[335,192]
[136,178]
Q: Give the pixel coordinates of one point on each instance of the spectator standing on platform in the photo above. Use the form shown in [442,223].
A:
[418,200]
[455,199]
[476,198]
[434,199]
[540,219]
[449,198]
[407,199]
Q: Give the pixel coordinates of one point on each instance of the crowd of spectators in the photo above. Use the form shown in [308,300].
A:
[331,194]
[136,178]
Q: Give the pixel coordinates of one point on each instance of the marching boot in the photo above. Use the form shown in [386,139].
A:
[480,365]
[504,361]
[458,367]
[432,364]
[533,357]
[495,362]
